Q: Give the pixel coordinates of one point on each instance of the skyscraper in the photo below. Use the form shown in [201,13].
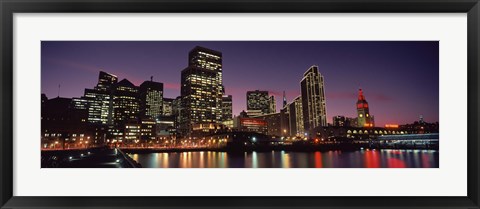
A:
[296,122]
[125,103]
[313,99]
[227,108]
[177,111]
[363,112]
[151,99]
[273,105]
[98,101]
[105,81]
[201,89]
[284,100]
[259,103]
[167,107]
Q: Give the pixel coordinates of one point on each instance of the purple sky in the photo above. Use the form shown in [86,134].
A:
[399,78]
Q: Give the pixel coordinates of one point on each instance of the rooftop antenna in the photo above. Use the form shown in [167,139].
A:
[151,78]
[58,91]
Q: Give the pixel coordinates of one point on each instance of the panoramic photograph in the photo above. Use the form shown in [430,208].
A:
[239,104]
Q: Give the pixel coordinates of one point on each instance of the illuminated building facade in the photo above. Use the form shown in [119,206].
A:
[203,129]
[132,133]
[63,126]
[257,125]
[421,127]
[106,81]
[259,103]
[165,126]
[342,132]
[177,111]
[274,123]
[313,99]
[80,103]
[364,118]
[201,89]
[148,129]
[339,120]
[99,106]
[167,107]
[98,101]
[351,122]
[295,111]
[227,108]
[273,105]
[151,99]
[126,104]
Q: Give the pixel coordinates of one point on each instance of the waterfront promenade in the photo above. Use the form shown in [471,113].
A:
[88,158]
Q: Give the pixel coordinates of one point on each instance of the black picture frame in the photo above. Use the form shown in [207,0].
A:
[9,7]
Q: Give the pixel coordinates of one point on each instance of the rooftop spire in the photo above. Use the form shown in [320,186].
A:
[361,97]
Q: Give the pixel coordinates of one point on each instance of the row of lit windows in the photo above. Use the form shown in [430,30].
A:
[209,55]
[376,132]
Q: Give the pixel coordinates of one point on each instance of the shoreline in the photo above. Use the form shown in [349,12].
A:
[262,149]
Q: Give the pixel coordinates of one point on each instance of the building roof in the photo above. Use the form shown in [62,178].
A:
[152,84]
[311,69]
[211,51]
[125,82]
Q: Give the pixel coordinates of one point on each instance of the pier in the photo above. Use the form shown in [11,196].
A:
[87,158]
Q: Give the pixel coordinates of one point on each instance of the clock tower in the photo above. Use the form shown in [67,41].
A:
[363,114]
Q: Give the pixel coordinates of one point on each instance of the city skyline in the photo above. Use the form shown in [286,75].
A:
[380,72]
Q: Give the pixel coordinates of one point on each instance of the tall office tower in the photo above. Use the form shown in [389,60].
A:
[106,81]
[126,106]
[285,121]
[99,106]
[98,101]
[313,99]
[364,118]
[296,117]
[227,108]
[284,100]
[258,103]
[167,107]
[273,105]
[151,99]
[177,110]
[201,89]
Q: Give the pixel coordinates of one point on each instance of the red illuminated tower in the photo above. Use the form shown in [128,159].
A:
[364,118]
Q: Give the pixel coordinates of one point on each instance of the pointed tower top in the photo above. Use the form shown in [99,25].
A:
[361,97]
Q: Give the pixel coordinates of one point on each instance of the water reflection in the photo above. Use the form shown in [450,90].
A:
[283,159]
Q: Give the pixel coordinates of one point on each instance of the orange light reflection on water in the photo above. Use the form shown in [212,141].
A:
[372,159]
[396,163]
[318,160]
